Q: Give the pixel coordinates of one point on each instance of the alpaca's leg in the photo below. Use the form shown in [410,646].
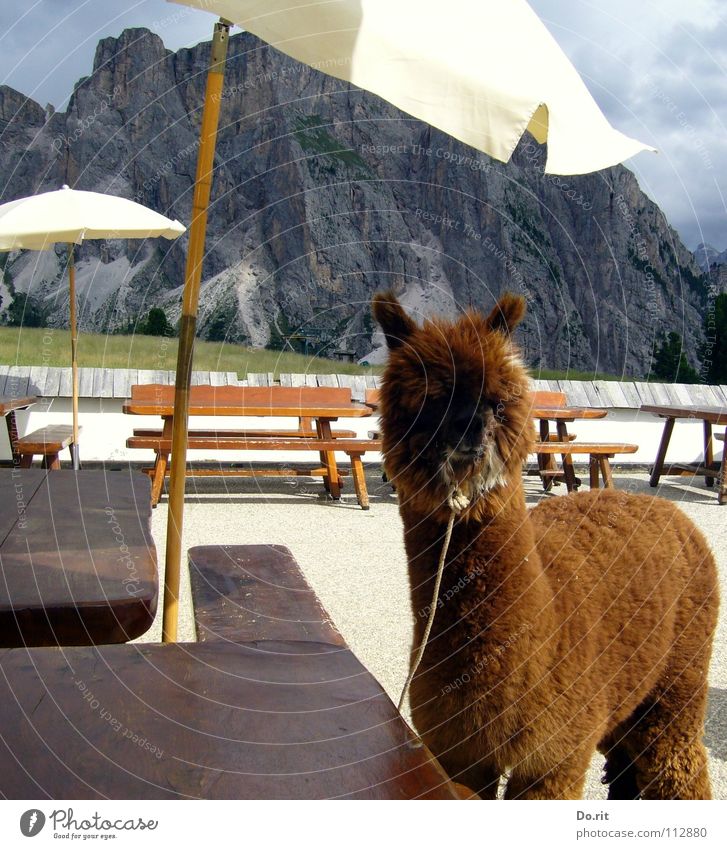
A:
[620,770]
[666,747]
[482,777]
[563,781]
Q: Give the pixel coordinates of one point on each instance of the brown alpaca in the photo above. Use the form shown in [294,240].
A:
[583,624]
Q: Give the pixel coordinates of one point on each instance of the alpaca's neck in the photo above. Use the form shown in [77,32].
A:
[492,569]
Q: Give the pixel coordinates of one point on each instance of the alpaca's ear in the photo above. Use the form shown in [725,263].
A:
[508,313]
[395,323]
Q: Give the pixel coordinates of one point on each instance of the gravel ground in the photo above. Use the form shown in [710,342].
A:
[355,562]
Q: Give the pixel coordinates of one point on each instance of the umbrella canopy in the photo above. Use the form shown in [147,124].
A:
[67,215]
[483,72]
[40,221]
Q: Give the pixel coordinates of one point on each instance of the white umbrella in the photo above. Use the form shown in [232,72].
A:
[40,221]
[483,71]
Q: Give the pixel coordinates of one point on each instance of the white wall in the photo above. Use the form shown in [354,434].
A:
[105,430]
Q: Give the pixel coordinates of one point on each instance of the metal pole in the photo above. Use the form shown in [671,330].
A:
[74,352]
[188,325]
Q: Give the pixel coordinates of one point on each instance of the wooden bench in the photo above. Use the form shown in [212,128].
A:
[314,408]
[353,448]
[600,454]
[255,592]
[47,441]
[547,445]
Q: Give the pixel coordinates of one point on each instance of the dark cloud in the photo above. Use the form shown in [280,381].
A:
[658,73]
[658,70]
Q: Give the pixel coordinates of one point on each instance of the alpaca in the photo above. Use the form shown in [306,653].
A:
[583,624]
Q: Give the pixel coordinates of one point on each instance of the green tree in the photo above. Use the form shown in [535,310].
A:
[25,311]
[156,324]
[669,361]
[713,353]
[217,329]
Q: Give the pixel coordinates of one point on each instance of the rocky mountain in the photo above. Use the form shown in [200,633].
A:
[324,194]
[707,255]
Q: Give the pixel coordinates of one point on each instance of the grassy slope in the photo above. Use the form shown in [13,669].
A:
[48,347]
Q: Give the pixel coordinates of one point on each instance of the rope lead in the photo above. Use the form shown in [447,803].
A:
[457,502]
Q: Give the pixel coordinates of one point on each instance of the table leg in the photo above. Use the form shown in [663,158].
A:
[708,452]
[546,462]
[359,480]
[605,465]
[331,479]
[722,494]
[161,463]
[661,453]
[157,481]
[13,436]
[593,471]
[571,481]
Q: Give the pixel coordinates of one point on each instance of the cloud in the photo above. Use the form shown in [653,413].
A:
[657,69]
[47,46]
[658,73]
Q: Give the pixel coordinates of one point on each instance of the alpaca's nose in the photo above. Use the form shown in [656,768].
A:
[468,429]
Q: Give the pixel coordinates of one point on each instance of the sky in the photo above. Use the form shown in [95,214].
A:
[657,69]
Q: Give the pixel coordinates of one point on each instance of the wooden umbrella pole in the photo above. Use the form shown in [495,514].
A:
[74,351]
[188,325]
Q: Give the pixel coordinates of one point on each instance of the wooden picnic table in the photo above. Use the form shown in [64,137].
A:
[316,409]
[710,416]
[269,704]
[267,719]
[8,406]
[77,559]
[562,414]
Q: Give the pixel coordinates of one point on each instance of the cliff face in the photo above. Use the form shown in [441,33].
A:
[323,194]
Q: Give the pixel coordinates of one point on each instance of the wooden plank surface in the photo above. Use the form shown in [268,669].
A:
[574,392]
[85,382]
[17,381]
[37,380]
[81,567]
[16,494]
[610,393]
[65,390]
[103,383]
[53,382]
[255,592]
[632,396]
[156,399]
[713,414]
[124,379]
[15,402]
[215,720]
[51,437]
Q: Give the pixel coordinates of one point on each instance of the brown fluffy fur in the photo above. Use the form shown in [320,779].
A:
[583,624]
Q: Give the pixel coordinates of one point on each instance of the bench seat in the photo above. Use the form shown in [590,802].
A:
[353,448]
[242,593]
[47,441]
[287,433]
[600,453]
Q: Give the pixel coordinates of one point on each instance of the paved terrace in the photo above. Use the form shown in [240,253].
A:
[355,562]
